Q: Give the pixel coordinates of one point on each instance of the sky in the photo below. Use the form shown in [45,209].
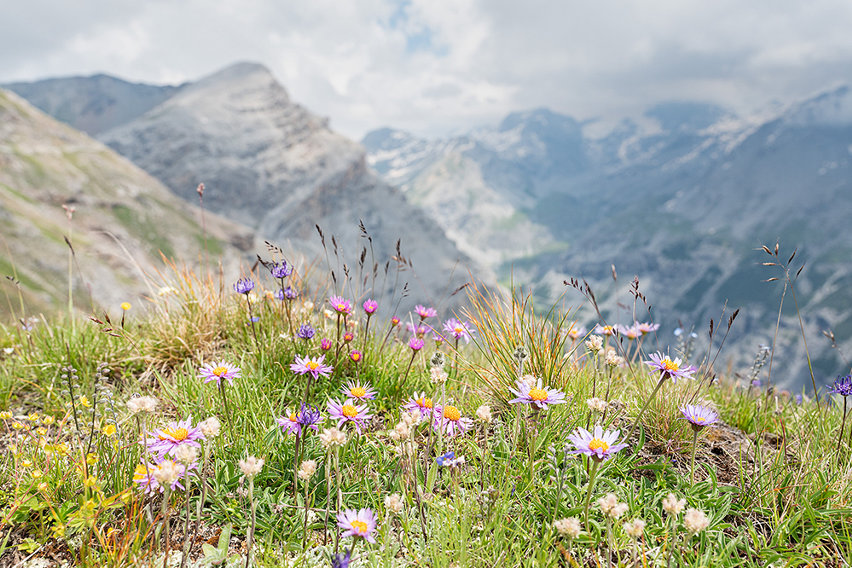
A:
[436,67]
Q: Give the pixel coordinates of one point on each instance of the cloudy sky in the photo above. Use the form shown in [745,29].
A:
[435,66]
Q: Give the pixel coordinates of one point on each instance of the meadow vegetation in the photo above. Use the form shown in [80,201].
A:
[282,420]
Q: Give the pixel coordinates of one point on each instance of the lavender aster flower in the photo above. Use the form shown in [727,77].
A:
[349,411]
[647,327]
[316,367]
[294,422]
[537,395]
[340,305]
[359,524]
[457,329]
[416,343]
[280,270]
[605,329]
[670,369]
[425,312]
[217,371]
[244,286]
[166,440]
[370,306]
[359,390]
[305,331]
[423,404]
[599,446]
[451,421]
[576,332]
[698,416]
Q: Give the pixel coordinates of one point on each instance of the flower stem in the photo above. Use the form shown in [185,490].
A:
[842,427]
[647,403]
[227,410]
[692,463]
[253,519]
[165,511]
[592,473]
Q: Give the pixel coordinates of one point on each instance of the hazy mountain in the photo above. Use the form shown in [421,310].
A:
[122,220]
[682,196]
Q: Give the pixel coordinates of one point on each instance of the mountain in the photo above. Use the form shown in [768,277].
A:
[122,219]
[682,196]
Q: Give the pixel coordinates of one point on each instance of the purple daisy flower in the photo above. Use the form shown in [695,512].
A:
[315,367]
[458,329]
[360,524]
[648,327]
[451,421]
[358,390]
[416,343]
[425,312]
[280,270]
[670,369]
[340,305]
[574,333]
[422,403]
[166,440]
[698,416]
[355,356]
[629,331]
[538,395]
[294,422]
[325,344]
[599,446]
[349,411]
[305,331]
[244,285]
[370,306]
[842,386]
[418,330]
[607,330]
[217,371]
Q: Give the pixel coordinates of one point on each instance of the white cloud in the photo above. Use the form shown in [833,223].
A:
[432,66]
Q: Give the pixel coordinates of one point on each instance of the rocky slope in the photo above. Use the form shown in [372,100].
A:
[122,220]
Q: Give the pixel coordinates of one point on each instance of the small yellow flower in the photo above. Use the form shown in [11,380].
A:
[47,420]
[109,430]
[13,448]
[17,425]
[84,400]
[26,463]
[91,459]
[58,531]
[33,417]
[91,481]
[37,474]
[125,306]
[41,431]
[5,415]
[43,486]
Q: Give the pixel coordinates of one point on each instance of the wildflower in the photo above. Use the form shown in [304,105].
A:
[280,270]
[611,507]
[341,560]
[26,463]
[305,331]
[438,376]
[210,427]
[698,416]
[47,420]
[647,327]
[215,372]
[332,437]
[33,417]
[695,521]
[251,466]
[607,330]
[420,402]
[596,404]
[5,415]
[294,422]
[325,344]
[355,356]
[394,321]
[670,369]
[167,473]
[416,344]
[315,367]
[457,329]
[401,431]
[394,503]
[358,390]
[186,454]
[672,505]
[84,401]
[419,330]
[359,523]
[599,446]
[125,306]
[613,359]
[425,312]
[17,425]
[349,412]
[370,306]
[142,404]
[576,332]
[536,395]
[569,528]
[634,528]
[244,286]
[166,440]
[307,469]
[450,460]
[483,414]
[842,386]
[109,430]
[451,421]
[340,305]
[594,343]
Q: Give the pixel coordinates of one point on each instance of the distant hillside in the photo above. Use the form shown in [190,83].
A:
[122,220]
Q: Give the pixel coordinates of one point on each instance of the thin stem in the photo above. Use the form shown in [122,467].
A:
[694,448]
[305,525]
[592,473]
[251,321]
[647,403]
[253,519]
[842,427]
[165,512]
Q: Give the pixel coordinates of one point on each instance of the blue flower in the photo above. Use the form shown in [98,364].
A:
[447,458]
[281,270]
[305,331]
[244,285]
[341,560]
[842,386]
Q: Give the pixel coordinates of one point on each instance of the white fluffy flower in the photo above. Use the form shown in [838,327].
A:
[167,473]
[672,505]
[438,375]
[611,507]
[634,528]
[695,521]
[483,414]
[251,466]
[332,437]
[142,404]
[186,454]
[307,469]
[210,427]
[569,527]
[613,359]
[394,503]
[596,404]
[594,343]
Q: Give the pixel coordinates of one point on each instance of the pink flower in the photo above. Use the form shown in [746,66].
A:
[218,371]
[359,524]
[166,440]
[425,312]
[340,305]
[315,367]
[349,411]
[416,343]
[370,306]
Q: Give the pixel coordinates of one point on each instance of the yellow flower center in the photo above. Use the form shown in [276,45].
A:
[178,434]
[293,417]
[424,402]
[458,329]
[360,526]
[312,365]
[452,413]
[349,411]
[607,329]
[598,444]
[538,394]
[220,371]
[669,365]
[139,473]
[358,392]
[699,419]
[341,307]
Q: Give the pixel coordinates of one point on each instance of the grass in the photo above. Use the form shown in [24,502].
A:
[771,477]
